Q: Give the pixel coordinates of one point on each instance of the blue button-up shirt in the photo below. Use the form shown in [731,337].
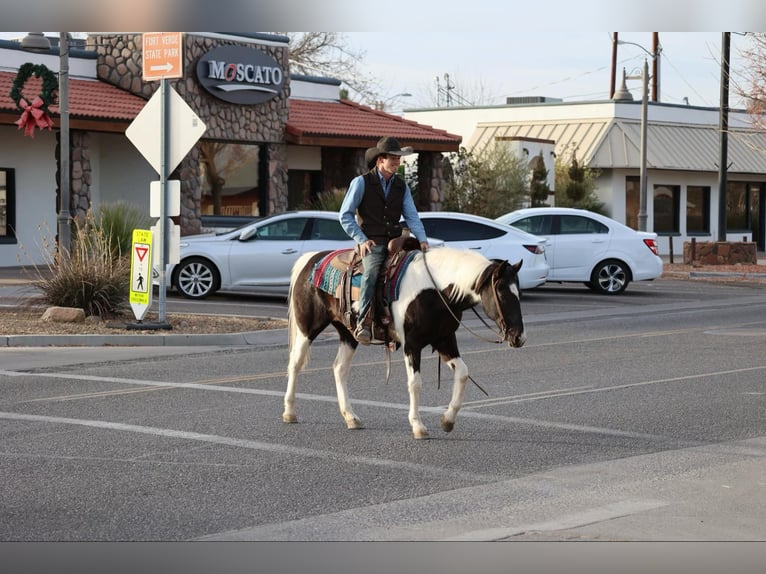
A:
[354,197]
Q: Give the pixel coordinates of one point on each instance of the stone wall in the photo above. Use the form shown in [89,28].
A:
[120,62]
[720,253]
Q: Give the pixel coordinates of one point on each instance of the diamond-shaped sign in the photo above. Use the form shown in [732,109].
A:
[184,131]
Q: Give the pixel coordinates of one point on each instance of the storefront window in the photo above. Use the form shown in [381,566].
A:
[736,207]
[7,207]
[666,208]
[697,209]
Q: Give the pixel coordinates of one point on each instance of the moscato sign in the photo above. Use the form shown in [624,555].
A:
[240,75]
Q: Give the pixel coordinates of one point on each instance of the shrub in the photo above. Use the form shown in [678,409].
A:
[330,200]
[117,222]
[93,276]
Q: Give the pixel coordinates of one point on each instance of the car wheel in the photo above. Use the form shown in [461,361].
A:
[196,278]
[610,277]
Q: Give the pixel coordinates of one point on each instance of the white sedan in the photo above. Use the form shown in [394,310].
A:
[491,239]
[583,246]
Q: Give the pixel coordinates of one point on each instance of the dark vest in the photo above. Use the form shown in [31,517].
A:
[379,216]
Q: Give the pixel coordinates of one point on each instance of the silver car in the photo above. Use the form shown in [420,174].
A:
[256,258]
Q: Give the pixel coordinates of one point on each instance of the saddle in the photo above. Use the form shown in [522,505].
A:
[349,265]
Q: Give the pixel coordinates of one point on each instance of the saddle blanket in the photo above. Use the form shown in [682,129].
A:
[327,277]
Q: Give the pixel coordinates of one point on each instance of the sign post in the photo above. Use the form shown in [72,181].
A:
[180,129]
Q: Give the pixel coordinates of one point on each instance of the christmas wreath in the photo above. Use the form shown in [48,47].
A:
[35,114]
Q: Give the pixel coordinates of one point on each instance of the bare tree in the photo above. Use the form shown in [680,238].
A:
[328,54]
[752,89]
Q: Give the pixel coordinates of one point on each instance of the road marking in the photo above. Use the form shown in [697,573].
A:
[260,445]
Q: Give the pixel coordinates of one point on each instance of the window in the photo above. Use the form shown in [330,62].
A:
[666,208]
[454,230]
[283,230]
[737,207]
[7,206]
[577,225]
[697,209]
[536,224]
[329,230]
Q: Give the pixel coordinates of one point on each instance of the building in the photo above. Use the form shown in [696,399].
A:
[285,138]
[682,159]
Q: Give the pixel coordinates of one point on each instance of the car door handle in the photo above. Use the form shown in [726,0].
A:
[475,248]
[289,251]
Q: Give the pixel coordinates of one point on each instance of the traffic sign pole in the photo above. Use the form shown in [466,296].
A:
[165,122]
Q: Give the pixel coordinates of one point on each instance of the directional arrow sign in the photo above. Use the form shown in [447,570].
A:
[163,55]
[185,129]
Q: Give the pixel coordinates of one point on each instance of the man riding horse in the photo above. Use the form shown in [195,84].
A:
[380,199]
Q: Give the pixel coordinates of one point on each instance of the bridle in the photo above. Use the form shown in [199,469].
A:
[500,336]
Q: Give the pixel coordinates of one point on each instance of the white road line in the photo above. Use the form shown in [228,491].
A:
[260,445]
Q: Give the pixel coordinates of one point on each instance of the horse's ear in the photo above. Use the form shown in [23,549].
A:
[517,266]
[499,271]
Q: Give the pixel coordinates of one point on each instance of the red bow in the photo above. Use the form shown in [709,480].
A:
[33,116]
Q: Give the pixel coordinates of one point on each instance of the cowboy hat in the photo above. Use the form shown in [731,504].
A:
[387,145]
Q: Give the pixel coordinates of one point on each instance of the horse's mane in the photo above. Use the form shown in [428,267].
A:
[457,267]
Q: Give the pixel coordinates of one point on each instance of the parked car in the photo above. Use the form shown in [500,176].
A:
[256,258]
[587,247]
[491,239]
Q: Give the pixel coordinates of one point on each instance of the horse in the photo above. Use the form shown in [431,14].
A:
[437,286]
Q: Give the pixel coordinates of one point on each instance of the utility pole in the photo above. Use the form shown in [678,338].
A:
[723,135]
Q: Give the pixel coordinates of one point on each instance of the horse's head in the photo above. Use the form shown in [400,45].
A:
[499,291]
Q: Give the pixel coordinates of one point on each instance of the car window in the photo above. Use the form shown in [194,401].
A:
[283,230]
[535,224]
[577,224]
[328,229]
[457,230]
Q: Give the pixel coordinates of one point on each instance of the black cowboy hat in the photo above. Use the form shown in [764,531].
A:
[387,145]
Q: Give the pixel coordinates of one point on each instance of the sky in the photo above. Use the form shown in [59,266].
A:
[486,67]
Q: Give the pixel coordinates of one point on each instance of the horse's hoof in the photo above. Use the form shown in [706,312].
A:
[289,418]
[354,424]
[447,426]
[419,435]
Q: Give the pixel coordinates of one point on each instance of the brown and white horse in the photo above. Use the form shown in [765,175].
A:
[435,280]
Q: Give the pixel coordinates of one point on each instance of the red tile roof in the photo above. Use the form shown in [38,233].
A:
[88,99]
[323,123]
[346,123]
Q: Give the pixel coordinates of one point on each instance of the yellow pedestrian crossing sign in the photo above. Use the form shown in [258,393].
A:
[141,272]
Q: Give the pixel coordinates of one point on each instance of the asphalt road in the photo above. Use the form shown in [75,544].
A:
[636,417]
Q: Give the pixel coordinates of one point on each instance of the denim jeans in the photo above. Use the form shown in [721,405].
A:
[372,263]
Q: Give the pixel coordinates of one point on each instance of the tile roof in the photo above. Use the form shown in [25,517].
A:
[88,99]
[345,123]
[326,123]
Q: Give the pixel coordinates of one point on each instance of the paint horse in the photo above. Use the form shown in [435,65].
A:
[436,288]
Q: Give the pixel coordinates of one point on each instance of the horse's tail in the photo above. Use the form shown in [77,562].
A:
[292,325]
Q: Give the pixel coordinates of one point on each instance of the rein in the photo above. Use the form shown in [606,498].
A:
[473,308]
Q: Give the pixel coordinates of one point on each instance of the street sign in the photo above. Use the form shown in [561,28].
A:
[163,55]
[173,208]
[185,130]
[141,273]
[173,241]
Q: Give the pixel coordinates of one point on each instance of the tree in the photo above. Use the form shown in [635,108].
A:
[752,87]
[490,184]
[576,185]
[328,54]
[538,186]
[220,161]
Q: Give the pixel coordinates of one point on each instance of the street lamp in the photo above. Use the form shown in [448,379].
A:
[381,104]
[642,216]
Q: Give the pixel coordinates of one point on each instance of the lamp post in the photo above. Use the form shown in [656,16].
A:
[642,201]
[380,105]
[64,216]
